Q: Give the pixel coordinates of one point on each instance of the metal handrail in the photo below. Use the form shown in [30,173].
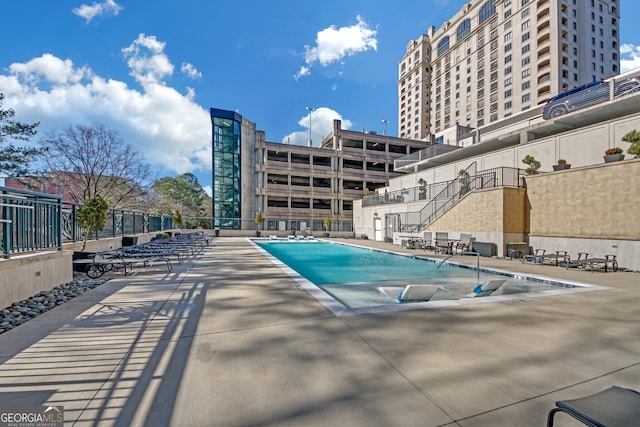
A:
[465,253]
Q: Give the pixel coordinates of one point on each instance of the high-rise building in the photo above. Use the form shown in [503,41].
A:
[495,58]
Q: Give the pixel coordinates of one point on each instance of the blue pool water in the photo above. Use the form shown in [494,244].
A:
[354,275]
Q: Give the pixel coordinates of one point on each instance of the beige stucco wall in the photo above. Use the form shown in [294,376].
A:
[498,210]
[595,202]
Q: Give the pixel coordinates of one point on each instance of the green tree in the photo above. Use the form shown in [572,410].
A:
[92,216]
[15,160]
[184,194]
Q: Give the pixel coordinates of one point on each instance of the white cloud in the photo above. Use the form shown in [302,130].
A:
[166,126]
[146,60]
[629,57]
[321,125]
[190,71]
[304,71]
[109,7]
[333,44]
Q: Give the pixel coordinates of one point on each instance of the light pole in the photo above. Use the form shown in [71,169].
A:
[311,110]
[384,130]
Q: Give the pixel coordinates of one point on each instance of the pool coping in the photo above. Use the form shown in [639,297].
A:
[340,310]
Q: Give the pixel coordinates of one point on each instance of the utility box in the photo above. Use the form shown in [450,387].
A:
[485,248]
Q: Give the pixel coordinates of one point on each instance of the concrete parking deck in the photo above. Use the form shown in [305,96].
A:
[227,339]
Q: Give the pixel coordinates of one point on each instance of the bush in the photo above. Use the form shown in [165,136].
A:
[612,151]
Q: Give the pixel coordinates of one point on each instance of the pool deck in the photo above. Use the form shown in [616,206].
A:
[228,339]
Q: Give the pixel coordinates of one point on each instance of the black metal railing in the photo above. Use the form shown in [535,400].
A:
[31,221]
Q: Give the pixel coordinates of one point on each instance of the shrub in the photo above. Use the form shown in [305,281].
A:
[612,151]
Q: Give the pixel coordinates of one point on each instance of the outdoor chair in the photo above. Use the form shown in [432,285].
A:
[613,407]
[486,289]
[410,293]
[442,243]
[464,244]
[536,258]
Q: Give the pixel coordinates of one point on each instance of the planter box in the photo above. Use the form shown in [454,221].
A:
[613,158]
[561,167]
[129,241]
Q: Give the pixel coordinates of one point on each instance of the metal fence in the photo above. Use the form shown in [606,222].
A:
[33,221]
[270,224]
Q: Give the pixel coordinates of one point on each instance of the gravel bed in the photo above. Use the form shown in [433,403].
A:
[20,312]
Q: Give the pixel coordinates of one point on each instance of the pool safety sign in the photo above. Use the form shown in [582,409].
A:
[31,416]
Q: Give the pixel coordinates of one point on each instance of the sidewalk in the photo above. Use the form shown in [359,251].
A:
[226,339]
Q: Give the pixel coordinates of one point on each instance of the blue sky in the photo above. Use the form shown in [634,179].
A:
[152,69]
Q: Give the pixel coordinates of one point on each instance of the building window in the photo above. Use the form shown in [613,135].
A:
[526,97]
[526,85]
[507,59]
[508,36]
[526,24]
[463,29]
[526,73]
[443,45]
[507,105]
[486,11]
[525,37]
[507,47]
[525,48]
[507,93]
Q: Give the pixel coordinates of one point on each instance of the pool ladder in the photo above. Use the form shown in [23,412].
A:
[464,253]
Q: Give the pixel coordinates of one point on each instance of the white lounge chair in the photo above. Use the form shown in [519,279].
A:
[410,293]
[291,238]
[486,289]
[272,237]
[311,238]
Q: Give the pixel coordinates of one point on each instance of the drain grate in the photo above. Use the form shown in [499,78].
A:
[518,301]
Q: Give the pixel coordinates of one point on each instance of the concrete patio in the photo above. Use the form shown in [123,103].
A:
[227,339]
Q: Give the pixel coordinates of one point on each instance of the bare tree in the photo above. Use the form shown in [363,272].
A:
[94,160]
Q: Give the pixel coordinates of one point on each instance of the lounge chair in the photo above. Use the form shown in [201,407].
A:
[615,406]
[607,263]
[486,289]
[311,239]
[291,238]
[272,237]
[555,258]
[410,293]
[536,258]
[574,263]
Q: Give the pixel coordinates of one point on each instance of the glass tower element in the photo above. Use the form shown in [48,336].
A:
[226,169]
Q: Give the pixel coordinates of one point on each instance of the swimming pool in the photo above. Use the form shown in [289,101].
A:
[353,277]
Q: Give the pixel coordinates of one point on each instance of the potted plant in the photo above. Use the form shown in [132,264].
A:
[326,223]
[92,216]
[633,137]
[561,165]
[613,155]
[422,189]
[532,163]
[259,222]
